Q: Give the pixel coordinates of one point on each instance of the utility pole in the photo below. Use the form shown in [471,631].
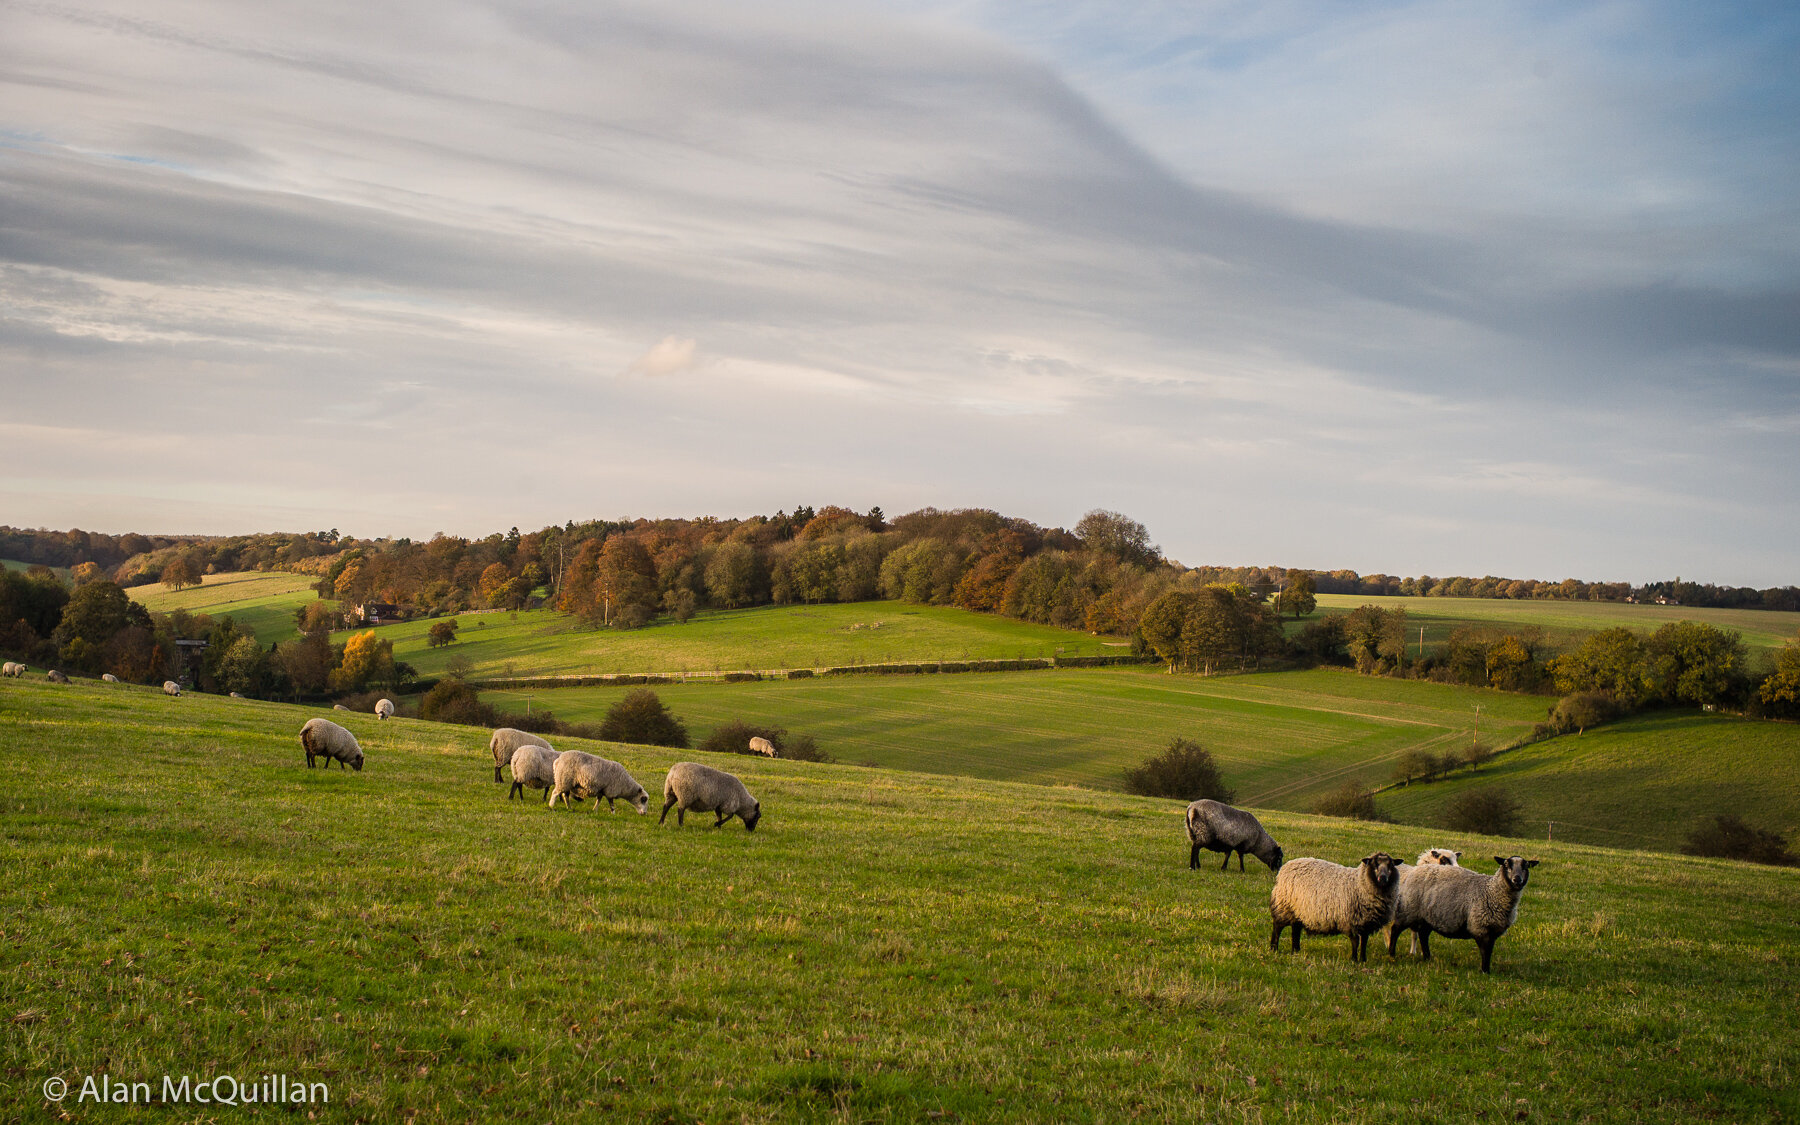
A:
[1421,642]
[1477,739]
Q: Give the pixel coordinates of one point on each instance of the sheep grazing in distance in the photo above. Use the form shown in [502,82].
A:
[109,678]
[235,695]
[12,669]
[761,745]
[322,738]
[699,788]
[533,767]
[1218,827]
[56,677]
[586,775]
[1324,898]
[170,687]
[339,707]
[384,709]
[508,739]
[1458,903]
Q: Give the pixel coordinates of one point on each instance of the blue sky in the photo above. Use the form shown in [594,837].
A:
[1419,288]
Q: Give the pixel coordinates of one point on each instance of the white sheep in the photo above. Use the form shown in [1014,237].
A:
[1324,898]
[1218,827]
[761,745]
[56,677]
[384,709]
[339,707]
[322,738]
[1459,903]
[704,789]
[587,775]
[170,687]
[13,669]
[108,677]
[508,739]
[235,695]
[1430,857]
[533,767]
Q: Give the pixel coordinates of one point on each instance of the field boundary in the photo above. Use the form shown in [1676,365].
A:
[758,675]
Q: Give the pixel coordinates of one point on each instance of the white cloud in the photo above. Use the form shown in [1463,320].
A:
[669,356]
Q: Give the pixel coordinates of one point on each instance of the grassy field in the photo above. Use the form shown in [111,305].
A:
[1565,623]
[1281,738]
[545,643]
[1641,783]
[885,947]
[261,601]
[62,572]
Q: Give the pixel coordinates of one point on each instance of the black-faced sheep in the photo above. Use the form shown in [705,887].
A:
[508,739]
[1458,903]
[12,669]
[1218,827]
[701,788]
[322,738]
[170,687]
[384,709]
[1324,898]
[593,777]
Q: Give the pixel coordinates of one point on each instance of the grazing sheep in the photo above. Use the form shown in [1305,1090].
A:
[339,707]
[384,709]
[1218,827]
[704,789]
[12,669]
[533,767]
[170,687]
[235,695]
[585,775]
[108,677]
[761,745]
[1324,898]
[508,739]
[322,738]
[1459,903]
[56,677]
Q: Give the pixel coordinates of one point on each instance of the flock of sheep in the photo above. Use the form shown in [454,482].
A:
[1434,896]
[566,775]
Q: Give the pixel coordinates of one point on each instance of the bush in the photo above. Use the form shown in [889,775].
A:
[1490,812]
[1582,710]
[800,674]
[1422,765]
[1476,754]
[537,722]
[442,633]
[734,738]
[454,701]
[641,718]
[803,749]
[1728,837]
[742,677]
[1185,771]
[1348,800]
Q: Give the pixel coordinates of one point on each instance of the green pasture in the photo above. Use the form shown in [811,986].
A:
[1565,623]
[261,601]
[62,572]
[1282,738]
[546,643]
[1641,783]
[182,895]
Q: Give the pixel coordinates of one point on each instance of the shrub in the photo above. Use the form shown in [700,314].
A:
[641,718]
[1185,771]
[742,677]
[537,722]
[1728,837]
[1421,765]
[802,748]
[1348,800]
[1582,710]
[362,701]
[454,701]
[734,737]
[1490,812]
[800,674]
[1476,754]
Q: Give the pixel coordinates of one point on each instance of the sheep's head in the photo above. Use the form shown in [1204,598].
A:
[750,818]
[1384,872]
[641,801]
[1442,856]
[1515,870]
[356,762]
[1275,860]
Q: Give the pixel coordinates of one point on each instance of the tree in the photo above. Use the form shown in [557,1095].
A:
[734,576]
[86,572]
[179,573]
[1490,811]
[641,718]
[1348,800]
[244,667]
[1614,661]
[1185,771]
[93,614]
[1696,663]
[492,584]
[1300,598]
[1729,837]
[367,659]
[1118,537]
[1376,639]
[441,633]
[1780,693]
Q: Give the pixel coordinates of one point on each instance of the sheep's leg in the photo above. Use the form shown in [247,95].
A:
[1275,938]
[1194,857]
[1240,860]
[1227,864]
[668,803]
[1423,937]
[1487,952]
[1393,939]
[722,819]
[1355,945]
[1296,937]
[496,775]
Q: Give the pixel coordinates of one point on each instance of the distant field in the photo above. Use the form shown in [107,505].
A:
[1565,623]
[62,572]
[262,601]
[545,643]
[1642,783]
[1281,737]
[885,947]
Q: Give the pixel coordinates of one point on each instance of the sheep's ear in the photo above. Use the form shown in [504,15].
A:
[1531,863]
[1501,860]
[1458,855]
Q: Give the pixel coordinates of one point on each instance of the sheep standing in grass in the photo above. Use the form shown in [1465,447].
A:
[384,709]
[1459,903]
[585,775]
[1430,857]
[508,739]
[1324,898]
[703,789]
[56,677]
[170,687]
[1218,827]
[322,738]
[533,767]
[761,745]
[339,707]
[12,669]
[109,678]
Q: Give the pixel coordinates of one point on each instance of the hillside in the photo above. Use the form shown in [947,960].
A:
[884,947]
[261,601]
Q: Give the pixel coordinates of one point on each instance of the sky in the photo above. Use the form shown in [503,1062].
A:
[1430,287]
